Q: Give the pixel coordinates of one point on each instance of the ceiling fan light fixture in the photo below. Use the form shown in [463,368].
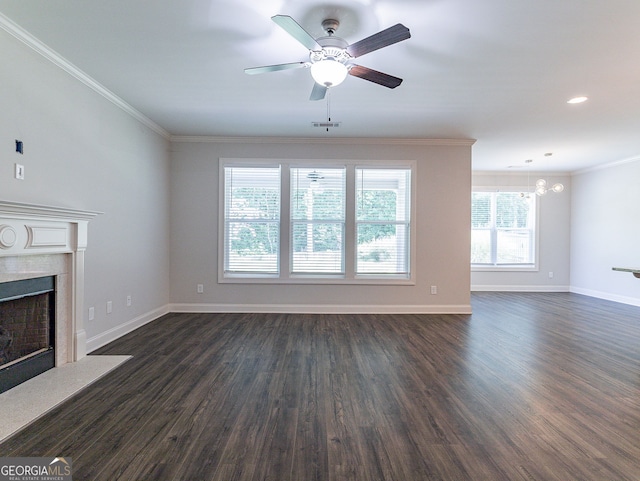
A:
[330,56]
[329,72]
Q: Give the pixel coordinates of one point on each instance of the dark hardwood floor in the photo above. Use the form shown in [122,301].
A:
[530,387]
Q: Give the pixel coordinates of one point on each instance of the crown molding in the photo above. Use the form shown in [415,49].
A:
[316,140]
[520,173]
[608,165]
[25,37]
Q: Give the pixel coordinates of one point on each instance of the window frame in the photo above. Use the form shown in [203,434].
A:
[529,267]
[285,276]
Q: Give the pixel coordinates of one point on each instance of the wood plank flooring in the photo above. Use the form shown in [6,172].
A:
[529,387]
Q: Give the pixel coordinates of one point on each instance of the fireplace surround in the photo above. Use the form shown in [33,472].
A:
[38,241]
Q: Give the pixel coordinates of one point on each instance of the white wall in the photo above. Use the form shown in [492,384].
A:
[82,151]
[443,217]
[554,228]
[606,232]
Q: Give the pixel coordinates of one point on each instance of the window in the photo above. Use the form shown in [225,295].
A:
[315,223]
[503,230]
[252,220]
[382,221]
[317,220]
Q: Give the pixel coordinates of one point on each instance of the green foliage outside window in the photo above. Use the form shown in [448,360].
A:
[376,205]
[249,235]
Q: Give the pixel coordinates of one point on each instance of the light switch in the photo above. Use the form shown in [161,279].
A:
[19,171]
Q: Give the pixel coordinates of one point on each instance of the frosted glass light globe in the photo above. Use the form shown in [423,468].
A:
[329,73]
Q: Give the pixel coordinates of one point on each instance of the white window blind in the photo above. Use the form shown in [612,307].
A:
[252,219]
[502,229]
[317,220]
[383,221]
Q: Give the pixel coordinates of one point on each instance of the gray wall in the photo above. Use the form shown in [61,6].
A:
[82,151]
[443,216]
[605,232]
[554,236]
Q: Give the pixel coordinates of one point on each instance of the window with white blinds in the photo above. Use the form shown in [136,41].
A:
[383,210]
[320,222]
[252,220]
[503,229]
[317,220]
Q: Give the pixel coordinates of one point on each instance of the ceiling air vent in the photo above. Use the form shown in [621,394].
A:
[326,125]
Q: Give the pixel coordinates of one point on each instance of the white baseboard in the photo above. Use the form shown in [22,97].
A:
[607,296]
[518,288]
[119,331]
[321,309]
[633,301]
[106,337]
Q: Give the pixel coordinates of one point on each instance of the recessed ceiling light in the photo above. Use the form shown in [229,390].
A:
[577,100]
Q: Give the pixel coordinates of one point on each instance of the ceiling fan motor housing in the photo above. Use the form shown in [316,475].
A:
[333,48]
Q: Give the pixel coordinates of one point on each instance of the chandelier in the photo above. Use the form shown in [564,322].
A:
[541,187]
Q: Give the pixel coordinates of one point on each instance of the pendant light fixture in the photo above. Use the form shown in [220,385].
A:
[541,186]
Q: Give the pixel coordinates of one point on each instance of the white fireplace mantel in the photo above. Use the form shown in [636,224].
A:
[38,240]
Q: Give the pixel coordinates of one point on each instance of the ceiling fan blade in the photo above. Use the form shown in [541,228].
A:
[296,31]
[386,37]
[374,76]
[275,68]
[318,92]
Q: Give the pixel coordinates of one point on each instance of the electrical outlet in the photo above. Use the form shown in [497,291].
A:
[109,307]
[128,301]
[200,288]
[550,274]
[92,313]
[434,290]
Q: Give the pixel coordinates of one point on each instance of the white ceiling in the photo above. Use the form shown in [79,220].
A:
[499,71]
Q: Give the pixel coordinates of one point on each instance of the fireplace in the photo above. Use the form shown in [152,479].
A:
[42,276]
[27,329]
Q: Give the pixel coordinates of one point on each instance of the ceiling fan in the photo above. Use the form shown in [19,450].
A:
[330,56]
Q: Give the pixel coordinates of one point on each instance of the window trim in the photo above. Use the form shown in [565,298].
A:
[285,276]
[534,267]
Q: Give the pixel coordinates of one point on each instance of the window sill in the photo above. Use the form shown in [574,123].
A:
[318,280]
[509,268]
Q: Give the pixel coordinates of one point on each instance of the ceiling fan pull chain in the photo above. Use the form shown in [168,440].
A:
[328,108]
